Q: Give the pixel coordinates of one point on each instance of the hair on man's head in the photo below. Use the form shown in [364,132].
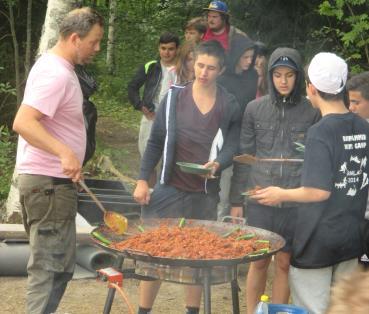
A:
[198,24]
[359,83]
[211,48]
[168,37]
[80,21]
[261,49]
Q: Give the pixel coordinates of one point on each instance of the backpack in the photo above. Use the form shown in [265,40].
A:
[88,86]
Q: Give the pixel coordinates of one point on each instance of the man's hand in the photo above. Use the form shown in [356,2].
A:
[71,165]
[141,193]
[236,211]
[214,166]
[270,196]
[273,195]
[147,113]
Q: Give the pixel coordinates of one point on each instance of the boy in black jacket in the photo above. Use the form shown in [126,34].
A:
[271,127]
[157,76]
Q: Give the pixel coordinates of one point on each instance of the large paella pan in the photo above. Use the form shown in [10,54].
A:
[107,240]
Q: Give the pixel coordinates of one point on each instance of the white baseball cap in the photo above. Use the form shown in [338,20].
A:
[328,73]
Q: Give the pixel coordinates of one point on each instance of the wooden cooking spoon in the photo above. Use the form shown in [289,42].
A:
[116,222]
[249,159]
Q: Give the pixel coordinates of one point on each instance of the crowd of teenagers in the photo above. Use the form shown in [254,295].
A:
[216,96]
[205,101]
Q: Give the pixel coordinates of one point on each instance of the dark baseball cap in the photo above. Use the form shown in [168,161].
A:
[286,62]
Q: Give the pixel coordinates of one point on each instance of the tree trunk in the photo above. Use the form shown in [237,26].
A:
[110,58]
[56,10]
[16,53]
[27,63]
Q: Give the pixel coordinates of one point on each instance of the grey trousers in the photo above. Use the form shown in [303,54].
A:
[49,218]
[144,134]
[311,288]
[224,205]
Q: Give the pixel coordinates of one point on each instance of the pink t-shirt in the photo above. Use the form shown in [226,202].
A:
[53,89]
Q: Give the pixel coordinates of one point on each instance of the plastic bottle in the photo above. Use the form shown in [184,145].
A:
[262,307]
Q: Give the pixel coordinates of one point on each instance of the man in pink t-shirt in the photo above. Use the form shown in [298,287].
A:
[219,27]
[51,148]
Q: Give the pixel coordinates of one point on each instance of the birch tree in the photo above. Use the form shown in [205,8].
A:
[10,18]
[56,10]
[110,57]
[27,62]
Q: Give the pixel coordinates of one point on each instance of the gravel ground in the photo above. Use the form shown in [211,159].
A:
[87,296]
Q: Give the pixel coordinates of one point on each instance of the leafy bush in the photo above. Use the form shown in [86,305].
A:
[7,100]
[7,160]
[349,25]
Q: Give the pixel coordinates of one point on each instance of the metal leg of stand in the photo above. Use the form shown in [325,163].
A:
[207,291]
[235,288]
[235,299]
[110,297]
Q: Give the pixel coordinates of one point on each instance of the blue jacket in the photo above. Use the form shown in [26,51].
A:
[162,141]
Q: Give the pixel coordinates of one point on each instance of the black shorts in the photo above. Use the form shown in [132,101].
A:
[169,202]
[275,219]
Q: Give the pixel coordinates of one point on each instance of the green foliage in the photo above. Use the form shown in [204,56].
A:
[138,27]
[114,109]
[348,26]
[7,160]
[6,88]
[280,23]
[8,103]
[310,26]
[7,96]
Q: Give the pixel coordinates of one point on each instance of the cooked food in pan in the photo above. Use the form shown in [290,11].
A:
[194,242]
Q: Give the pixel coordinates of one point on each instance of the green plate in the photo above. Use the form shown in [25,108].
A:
[247,194]
[190,167]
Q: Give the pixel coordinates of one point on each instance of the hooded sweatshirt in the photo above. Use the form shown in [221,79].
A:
[242,85]
[271,127]
[163,137]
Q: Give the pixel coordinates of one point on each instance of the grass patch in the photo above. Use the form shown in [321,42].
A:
[116,139]
[124,114]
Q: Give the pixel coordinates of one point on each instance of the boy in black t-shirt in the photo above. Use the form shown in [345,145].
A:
[333,192]
[358,90]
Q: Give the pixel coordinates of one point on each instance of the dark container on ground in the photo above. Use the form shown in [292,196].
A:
[114,197]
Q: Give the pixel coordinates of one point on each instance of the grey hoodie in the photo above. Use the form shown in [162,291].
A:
[270,127]
[294,55]
[243,85]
